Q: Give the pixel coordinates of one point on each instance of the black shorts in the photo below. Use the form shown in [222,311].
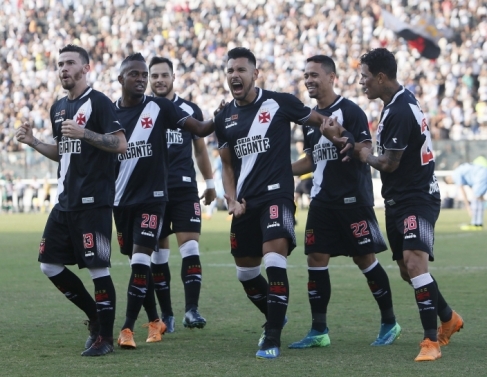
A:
[349,232]
[183,213]
[78,237]
[138,224]
[411,227]
[304,186]
[269,221]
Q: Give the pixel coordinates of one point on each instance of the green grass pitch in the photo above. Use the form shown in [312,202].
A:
[42,333]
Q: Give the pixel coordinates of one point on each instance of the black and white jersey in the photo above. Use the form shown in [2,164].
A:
[180,149]
[339,184]
[142,170]
[403,127]
[86,174]
[259,138]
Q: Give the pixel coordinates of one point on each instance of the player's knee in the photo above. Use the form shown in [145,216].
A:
[318,260]
[189,248]
[51,270]
[160,256]
[247,273]
[365,262]
[273,259]
[140,258]
[96,273]
[405,276]
[403,271]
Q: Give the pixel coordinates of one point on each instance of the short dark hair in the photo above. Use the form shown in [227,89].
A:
[326,62]
[242,52]
[85,59]
[159,60]
[380,60]
[137,57]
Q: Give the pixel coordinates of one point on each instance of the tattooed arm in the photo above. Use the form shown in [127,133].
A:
[387,163]
[115,143]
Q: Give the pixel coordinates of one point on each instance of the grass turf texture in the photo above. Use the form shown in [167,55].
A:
[43,334]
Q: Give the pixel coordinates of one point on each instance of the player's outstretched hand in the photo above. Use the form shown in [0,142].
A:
[220,107]
[71,129]
[209,195]
[24,134]
[364,153]
[236,208]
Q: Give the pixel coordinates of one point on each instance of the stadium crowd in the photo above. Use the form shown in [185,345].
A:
[196,35]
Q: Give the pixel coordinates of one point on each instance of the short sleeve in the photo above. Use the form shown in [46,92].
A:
[106,116]
[293,108]
[307,144]
[396,132]
[220,130]
[356,123]
[55,133]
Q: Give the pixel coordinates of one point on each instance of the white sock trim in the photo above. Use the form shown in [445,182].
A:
[317,268]
[274,259]
[50,269]
[247,273]
[161,256]
[189,248]
[96,273]
[371,267]
[421,280]
[140,258]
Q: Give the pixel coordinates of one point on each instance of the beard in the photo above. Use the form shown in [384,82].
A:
[68,85]
[162,92]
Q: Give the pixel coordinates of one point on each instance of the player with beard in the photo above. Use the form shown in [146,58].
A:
[183,212]
[341,218]
[254,140]
[141,187]
[411,194]
[79,227]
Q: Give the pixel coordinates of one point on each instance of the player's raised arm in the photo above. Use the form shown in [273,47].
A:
[199,128]
[24,135]
[202,128]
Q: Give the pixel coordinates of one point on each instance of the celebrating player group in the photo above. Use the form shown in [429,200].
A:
[132,160]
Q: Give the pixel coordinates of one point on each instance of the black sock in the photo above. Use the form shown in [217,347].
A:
[74,290]
[256,290]
[319,293]
[162,287]
[150,300]
[136,293]
[105,304]
[191,277]
[427,301]
[277,297]
[444,311]
[378,282]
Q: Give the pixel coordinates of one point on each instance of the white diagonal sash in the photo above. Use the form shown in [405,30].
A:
[256,128]
[127,166]
[86,109]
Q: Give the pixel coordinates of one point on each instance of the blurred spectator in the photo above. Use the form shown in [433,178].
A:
[196,35]
[19,191]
